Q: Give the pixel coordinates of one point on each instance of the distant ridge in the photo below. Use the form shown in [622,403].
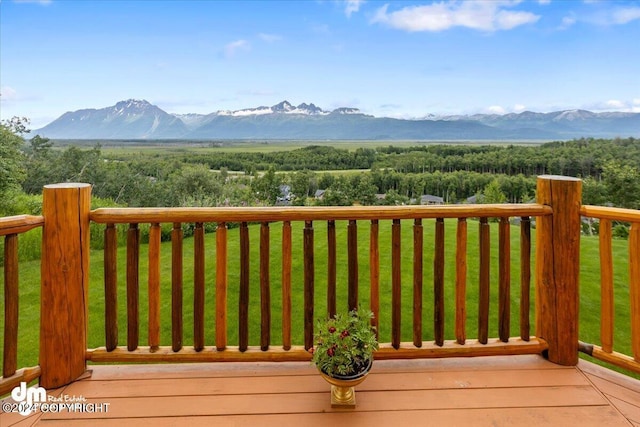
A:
[139,119]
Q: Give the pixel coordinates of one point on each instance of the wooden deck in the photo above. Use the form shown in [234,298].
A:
[489,391]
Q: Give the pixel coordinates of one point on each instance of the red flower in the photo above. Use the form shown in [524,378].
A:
[344,334]
[332,329]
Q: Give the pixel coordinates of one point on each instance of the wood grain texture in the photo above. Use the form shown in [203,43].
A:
[111,286]
[504,278]
[484,280]
[265,288]
[133,286]
[286,285]
[198,286]
[634,288]
[243,302]
[309,284]
[438,283]
[176,286]
[525,277]
[11,306]
[154,285]
[418,244]
[606,286]
[461,281]
[396,283]
[352,265]
[221,286]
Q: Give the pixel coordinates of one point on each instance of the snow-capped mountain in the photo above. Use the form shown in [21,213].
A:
[139,119]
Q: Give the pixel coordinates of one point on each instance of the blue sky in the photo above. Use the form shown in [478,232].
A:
[394,58]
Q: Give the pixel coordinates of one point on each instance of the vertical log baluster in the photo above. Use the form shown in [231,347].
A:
[461,281]
[286,285]
[176,286]
[606,286]
[418,244]
[154,286]
[243,303]
[483,298]
[111,287]
[396,284]
[331,268]
[265,293]
[221,286]
[525,278]
[309,280]
[438,283]
[133,286]
[634,288]
[374,274]
[11,306]
[504,278]
[352,261]
[198,287]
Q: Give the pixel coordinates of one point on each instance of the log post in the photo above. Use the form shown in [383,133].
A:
[64,283]
[558,267]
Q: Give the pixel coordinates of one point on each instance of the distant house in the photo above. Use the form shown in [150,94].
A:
[319,194]
[476,198]
[428,199]
[285,197]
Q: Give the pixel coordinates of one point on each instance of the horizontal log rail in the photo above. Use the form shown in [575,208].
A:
[11,228]
[605,351]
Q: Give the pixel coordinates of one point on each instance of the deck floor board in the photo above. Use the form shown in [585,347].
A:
[492,391]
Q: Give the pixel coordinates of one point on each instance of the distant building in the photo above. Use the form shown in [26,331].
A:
[319,194]
[428,199]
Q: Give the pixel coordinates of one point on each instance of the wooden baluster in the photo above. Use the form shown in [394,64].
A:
[374,274]
[504,290]
[525,278]
[331,268]
[606,286]
[418,243]
[198,287]
[265,294]
[396,284]
[438,283]
[634,287]
[176,286]
[309,280]
[243,303]
[133,287]
[221,286]
[461,281]
[154,286]
[352,262]
[11,305]
[111,287]
[286,285]
[483,298]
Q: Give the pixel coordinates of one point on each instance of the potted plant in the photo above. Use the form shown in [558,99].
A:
[344,353]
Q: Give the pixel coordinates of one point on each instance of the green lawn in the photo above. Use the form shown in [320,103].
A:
[590,293]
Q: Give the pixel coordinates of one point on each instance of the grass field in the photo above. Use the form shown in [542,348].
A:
[590,291]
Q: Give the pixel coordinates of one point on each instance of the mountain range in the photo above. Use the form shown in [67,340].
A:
[139,119]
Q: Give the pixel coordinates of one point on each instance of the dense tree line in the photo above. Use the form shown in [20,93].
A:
[609,168]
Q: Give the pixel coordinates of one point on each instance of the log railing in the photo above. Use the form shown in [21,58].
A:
[605,351]
[10,229]
[65,272]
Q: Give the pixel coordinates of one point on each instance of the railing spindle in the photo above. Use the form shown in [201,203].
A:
[418,244]
[111,287]
[634,287]
[352,261]
[504,289]
[374,274]
[265,294]
[438,284]
[461,281]
[133,287]
[11,307]
[286,285]
[483,299]
[198,287]
[243,302]
[176,286]
[331,268]
[221,286]
[396,284]
[154,285]
[525,277]
[309,281]
[606,286]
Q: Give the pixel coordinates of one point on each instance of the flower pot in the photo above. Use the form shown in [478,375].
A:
[343,393]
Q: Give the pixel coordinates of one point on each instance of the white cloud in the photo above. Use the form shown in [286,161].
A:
[269,38]
[8,93]
[567,22]
[519,108]
[485,16]
[233,47]
[496,109]
[544,1]
[42,2]
[352,6]
[626,15]
[614,103]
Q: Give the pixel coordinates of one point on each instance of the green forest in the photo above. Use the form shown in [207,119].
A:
[308,174]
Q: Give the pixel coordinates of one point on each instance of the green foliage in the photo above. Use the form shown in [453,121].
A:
[12,171]
[344,343]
